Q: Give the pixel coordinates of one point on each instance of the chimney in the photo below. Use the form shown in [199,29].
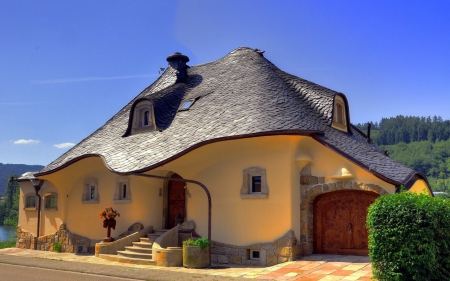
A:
[178,62]
[368,133]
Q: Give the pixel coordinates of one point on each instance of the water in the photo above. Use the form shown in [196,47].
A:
[5,231]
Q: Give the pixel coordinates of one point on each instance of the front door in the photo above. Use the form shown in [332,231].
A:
[176,206]
[340,222]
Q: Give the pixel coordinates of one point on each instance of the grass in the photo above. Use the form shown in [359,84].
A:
[7,244]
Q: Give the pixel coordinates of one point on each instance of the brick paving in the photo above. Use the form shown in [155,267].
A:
[315,267]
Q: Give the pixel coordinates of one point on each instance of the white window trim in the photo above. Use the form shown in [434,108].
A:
[86,198]
[45,198]
[120,181]
[26,208]
[247,182]
[138,117]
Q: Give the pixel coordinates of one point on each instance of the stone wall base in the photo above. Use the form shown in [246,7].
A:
[70,242]
[281,250]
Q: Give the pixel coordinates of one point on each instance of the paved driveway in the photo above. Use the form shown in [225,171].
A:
[315,267]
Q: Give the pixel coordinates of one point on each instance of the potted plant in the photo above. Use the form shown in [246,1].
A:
[196,253]
[109,215]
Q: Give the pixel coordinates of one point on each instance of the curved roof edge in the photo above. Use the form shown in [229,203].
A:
[415,177]
[189,149]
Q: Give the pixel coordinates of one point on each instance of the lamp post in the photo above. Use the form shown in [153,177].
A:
[37,184]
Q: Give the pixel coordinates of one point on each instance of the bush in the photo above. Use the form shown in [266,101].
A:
[409,237]
[200,242]
[57,247]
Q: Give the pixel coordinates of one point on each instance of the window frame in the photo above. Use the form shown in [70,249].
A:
[87,191]
[118,195]
[253,258]
[340,116]
[26,206]
[140,123]
[186,105]
[247,188]
[49,195]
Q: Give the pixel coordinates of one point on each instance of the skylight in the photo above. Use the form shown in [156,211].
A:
[186,105]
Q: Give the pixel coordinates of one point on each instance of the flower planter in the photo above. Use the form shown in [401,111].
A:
[196,257]
[109,215]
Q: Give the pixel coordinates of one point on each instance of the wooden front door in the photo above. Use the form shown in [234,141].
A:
[176,199]
[340,222]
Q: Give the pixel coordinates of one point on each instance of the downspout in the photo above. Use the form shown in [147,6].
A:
[37,188]
[189,181]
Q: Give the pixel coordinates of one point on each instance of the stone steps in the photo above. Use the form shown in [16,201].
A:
[134,249]
[123,259]
[139,251]
[134,255]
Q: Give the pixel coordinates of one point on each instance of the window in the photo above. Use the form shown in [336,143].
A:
[186,105]
[146,118]
[30,201]
[339,114]
[254,183]
[123,193]
[90,191]
[254,255]
[143,117]
[50,201]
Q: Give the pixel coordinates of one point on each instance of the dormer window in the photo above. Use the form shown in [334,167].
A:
[339,114]
[143,117]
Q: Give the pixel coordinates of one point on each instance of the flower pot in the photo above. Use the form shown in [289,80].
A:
[196,257]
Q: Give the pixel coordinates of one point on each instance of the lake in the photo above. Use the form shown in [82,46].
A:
[5,231]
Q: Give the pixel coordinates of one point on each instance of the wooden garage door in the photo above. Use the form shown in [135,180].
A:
[340,222]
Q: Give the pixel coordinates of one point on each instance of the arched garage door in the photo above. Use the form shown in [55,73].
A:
[340,222]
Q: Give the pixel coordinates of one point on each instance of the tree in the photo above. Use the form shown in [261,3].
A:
[9,207]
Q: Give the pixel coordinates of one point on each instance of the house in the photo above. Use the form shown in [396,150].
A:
[286,171]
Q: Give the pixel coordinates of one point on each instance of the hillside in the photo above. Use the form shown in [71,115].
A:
[421,143]
[7,170]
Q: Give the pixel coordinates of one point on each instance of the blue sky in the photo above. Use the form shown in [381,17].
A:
[66,67]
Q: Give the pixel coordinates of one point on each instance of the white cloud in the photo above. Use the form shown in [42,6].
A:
[64,145]
[87,79]
[22,141]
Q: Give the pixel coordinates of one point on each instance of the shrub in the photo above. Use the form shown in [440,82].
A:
[409,237]
[57,247]
[200,242]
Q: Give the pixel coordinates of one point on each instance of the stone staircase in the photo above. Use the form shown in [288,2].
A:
[140,252]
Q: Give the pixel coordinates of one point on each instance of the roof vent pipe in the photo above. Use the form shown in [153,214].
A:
[178,62]
[368,132]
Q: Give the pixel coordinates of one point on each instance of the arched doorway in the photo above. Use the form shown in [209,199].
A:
[176,201]
[340,222]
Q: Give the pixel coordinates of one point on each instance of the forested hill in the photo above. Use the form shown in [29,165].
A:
[408,129]
[421,143]
[7,170]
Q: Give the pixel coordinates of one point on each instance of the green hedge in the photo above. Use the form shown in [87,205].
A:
[409,237]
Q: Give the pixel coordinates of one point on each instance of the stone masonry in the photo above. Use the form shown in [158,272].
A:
[312,186]
[70,242]
[281,250]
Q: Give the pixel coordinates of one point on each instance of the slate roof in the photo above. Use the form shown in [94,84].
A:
[240,95]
